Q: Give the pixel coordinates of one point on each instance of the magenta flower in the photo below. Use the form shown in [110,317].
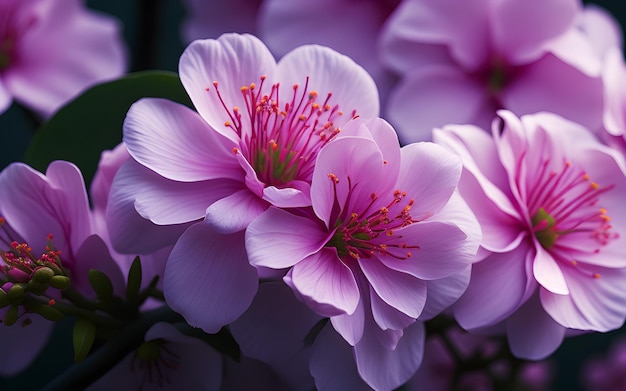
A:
[51,50]
[384,223]
[167,360]
[35,207]
[461,66]
[252,144]
[549,198]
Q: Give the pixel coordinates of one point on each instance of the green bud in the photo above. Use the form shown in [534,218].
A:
[48,312]
[16,294]
[37,288]
[11,316]
[60,282]
[4,299]
[42,275]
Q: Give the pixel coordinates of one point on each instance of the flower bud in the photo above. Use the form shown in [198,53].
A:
[42,275]
[4,299]
[60,282]
[11,316]
[16,294]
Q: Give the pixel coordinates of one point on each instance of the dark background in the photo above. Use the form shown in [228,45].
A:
[152,33]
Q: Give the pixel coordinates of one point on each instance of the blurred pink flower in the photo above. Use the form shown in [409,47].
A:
[384,223]
[252,144]
[51,50]
[210,19]
[34,206]
[461,61]
[543,189]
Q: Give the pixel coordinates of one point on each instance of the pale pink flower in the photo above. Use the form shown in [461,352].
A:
[252,143]
[51,50]
[34,206]
[461,61]
[385,223]
[549,197]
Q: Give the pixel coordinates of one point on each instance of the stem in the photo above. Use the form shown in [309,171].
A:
[82,374]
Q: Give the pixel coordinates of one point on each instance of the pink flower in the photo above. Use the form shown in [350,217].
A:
[33,208]
[461,61]
[549,198]
[210,19]
[167,360]
[385,223]
[51,50]
[252,144]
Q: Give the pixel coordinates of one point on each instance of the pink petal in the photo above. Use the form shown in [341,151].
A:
[94,254]
[532,333]
[548,272]
[129,232]
[233,61]
[429,174]
[444,292]
[356,158]
[288,197]
[601,28]
[350,326]
[351,86]
[332,364]
[433,96]
[279,239]
[326,284]
[575,49]
[521,28]
[552,85]
[378,130]
[465,31]
[210,19]
[234,212]
[386,316]
[175,142]
[388,369]
[401,291]
[275,325]
[208,278]
[5,98]
[595,301]
[501,281]
[444,249]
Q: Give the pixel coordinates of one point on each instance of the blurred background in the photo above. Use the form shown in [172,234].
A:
[152,31]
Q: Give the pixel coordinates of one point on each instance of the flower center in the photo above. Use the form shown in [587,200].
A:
[155,361]
[369,231]
[566,203]
[281,139]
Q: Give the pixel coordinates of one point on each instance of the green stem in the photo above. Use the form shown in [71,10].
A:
[82,374]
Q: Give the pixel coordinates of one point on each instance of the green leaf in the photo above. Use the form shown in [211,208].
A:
[92,122]
[134,280]
[101,284]
[83,337]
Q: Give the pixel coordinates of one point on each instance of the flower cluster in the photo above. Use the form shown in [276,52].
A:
[398,194]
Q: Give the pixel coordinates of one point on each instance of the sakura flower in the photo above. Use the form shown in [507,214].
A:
[42,213]
[384,223]
[51,50]
[461,61]
[548,196]
[166,360]
[252,143]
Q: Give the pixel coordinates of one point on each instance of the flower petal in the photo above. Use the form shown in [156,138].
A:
[350,326]
[233,60]
[386,316]
[548,272]
[401,291]
[532,333]
[433,96]
[444,292]
[275,325]
[175,142]
[352,88]
[325,283]
[279,239]
[208,278]
[24,343]
[234,212]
